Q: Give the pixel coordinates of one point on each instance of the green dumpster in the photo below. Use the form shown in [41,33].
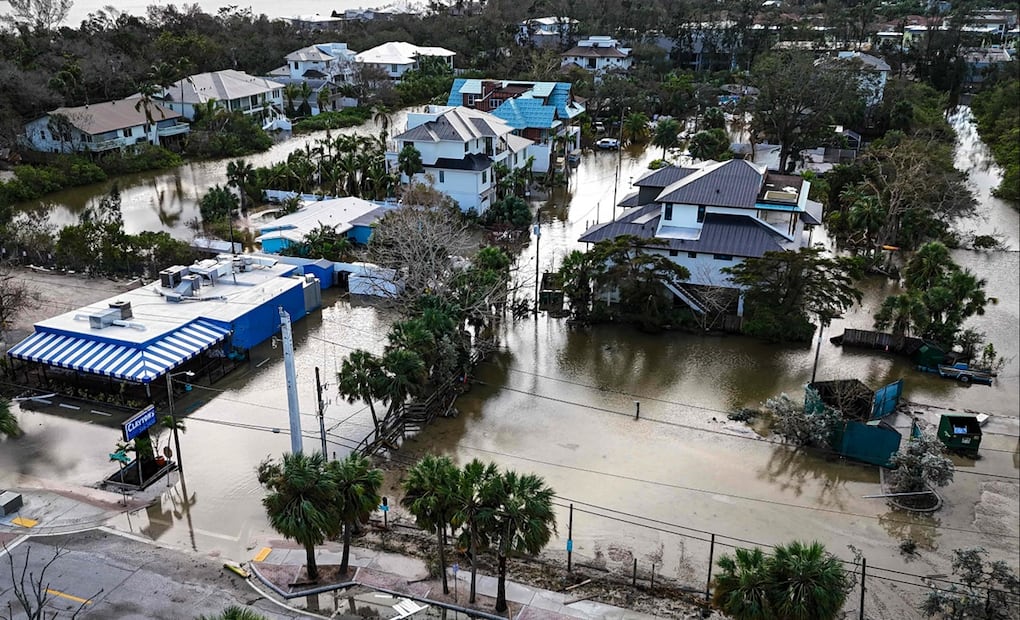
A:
[960,433]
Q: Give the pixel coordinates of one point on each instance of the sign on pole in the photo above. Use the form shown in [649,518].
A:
[136,424]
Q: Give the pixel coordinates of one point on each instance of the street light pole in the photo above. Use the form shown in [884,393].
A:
[173,418]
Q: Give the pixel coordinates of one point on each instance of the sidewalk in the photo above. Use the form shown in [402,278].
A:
[408,576]
[51,509]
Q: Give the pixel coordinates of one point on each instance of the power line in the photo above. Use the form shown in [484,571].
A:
[755,439]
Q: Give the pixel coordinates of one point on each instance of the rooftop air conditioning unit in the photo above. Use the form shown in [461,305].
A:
[104,318]
[124,307]
[171,276]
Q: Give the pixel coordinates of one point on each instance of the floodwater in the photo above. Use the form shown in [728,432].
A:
[560,402]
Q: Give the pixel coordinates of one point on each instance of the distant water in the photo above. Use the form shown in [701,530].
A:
[272,8]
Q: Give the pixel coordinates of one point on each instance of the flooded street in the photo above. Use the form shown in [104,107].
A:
[560,402]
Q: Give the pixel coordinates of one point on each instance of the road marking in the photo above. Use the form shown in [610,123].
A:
[215,535]
[24,522]
[70,597]
[44,401]
[101,413]
[262,554]
[66,406]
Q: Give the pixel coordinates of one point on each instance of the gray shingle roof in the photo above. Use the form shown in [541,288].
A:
[733,183]
[471,161]
[735,235]
[663,177]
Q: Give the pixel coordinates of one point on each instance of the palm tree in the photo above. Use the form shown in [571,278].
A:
[301,503]
[635,127]
[241,175]
[666,135]
[357,495]
[900,314]
[291,92]
[359,379]
[404,376]
[517,516]
[470,497]
[235,612]
[322,99]
[927,267]
[810,583]
[409,161]
[798,582]
[742,588]
[413,335]
[430,491]
[8,422]
[305,92]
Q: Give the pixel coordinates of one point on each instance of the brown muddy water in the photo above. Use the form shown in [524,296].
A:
[560,402]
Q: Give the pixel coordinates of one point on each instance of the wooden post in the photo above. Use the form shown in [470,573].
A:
[651,585]
[711,557]
[633,581]
[637,409]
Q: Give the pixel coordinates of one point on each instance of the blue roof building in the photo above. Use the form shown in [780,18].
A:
[539,111]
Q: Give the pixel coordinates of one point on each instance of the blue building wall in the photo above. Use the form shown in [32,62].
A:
[275,246]
[360,234]
[261,322]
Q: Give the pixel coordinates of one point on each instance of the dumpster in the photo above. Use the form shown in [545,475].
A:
[960,433]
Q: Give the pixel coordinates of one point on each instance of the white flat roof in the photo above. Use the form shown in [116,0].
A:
[155,316]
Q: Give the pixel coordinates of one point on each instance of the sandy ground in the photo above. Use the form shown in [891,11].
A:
[58,293]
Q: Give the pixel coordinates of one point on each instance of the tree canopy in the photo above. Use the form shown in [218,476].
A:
[787,292]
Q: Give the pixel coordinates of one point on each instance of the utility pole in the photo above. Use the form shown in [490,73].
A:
[818,350]
[322,407]
[292,395]
[538,239]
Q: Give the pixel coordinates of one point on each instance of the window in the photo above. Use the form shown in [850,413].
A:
[701,214]
[669,212]
[42,134]
[442,176]
[465,147]
[722,256]
[674,252]
[295,66]
[126,133]
[485,177]
[253,100]
[692,255]
[408,144]
[393,68]
[493,104]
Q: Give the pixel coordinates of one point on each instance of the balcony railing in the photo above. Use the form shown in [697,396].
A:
[106,145]
[172,130]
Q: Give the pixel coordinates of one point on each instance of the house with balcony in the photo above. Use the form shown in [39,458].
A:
[874,73]
[324,67]
[460,149]
[713,217]
[542,112]
[398,57]
[598,55]
[106,126]
[228,90]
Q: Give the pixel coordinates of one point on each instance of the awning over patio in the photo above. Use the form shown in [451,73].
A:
[121,361]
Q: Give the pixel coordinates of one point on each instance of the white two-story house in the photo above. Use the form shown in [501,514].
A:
[106,126]
[324,67]
[715,216]
[598,55]
[398,57]
[459,150]
[542,112]
[229,90]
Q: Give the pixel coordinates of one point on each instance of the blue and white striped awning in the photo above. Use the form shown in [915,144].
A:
[121,361]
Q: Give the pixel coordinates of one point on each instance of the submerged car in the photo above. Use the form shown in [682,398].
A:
[608,143]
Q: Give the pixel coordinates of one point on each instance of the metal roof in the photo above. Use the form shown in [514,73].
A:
[734,235]
[339,214]
[663,177]
[733,183]
[99,118]
[589,51]
[552,95]
[400,53]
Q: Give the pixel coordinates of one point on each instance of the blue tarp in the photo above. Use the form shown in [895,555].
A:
[142,363]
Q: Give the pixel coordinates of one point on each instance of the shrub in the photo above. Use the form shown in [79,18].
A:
[348,117]
[145,157]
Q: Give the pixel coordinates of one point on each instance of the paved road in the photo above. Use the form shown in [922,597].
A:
[138,581]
